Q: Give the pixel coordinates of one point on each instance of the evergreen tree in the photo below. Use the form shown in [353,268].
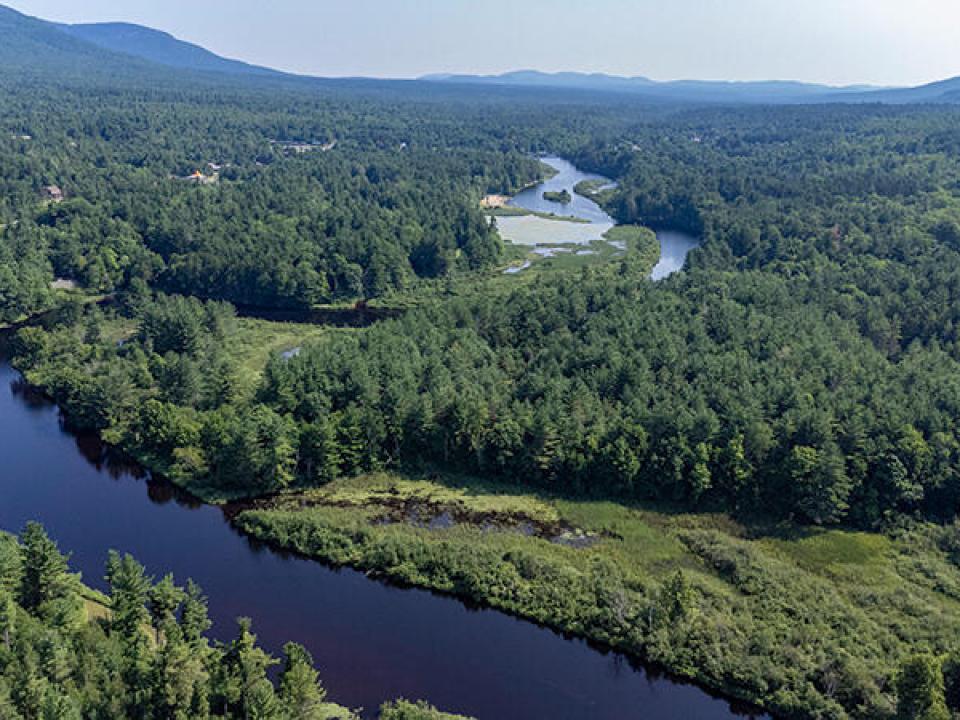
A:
[301,693]
[920,689]
[47,587]
[242,685]
[194,618]
[8,618]
[164,601]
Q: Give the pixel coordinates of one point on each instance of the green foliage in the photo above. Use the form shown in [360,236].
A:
[300,690]
[803,369]
[563,197]
[47,588]
[403,710]
[393,202]
[810,623]
[920,690]
[144,655]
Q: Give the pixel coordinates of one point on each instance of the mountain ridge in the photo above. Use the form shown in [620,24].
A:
[30,46]
[673,89]
[160,47]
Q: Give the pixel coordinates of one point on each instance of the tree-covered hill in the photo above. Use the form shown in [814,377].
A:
[33,47]
[159,47]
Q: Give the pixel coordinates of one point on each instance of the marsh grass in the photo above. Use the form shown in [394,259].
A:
[776,614]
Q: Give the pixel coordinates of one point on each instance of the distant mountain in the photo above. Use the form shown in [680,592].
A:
[114,52]
[159,47]
[111,52]
[32,45]
[685,90]
[944,92]
[533,78]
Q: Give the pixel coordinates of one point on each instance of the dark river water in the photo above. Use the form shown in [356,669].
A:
[371,641]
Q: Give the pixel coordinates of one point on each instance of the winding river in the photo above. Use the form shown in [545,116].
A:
[372,641]
[537,231]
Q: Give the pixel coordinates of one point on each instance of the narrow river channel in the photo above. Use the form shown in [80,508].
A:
[371,641]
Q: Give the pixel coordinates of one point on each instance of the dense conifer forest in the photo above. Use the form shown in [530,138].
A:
[800,375]
[802,367]
[69,652]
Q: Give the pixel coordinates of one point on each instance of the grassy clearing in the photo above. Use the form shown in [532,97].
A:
[599,191]
[95,603]
[589,188]
[471,497]
[256,340]
[771,618]
[249,347]
[821,551]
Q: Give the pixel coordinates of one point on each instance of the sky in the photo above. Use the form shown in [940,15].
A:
[882,42]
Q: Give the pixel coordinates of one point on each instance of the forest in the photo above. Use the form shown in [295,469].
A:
[803,367]
[67,651]
[801,375]
[236,200]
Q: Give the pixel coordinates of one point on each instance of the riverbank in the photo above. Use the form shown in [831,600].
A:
[766,615]
[510,211]
[373,641]
[606,571]
[637,245]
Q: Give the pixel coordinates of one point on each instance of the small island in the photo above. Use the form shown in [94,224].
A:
[564,197]
[590,188]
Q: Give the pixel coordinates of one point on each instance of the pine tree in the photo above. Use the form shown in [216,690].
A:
[920,689]
[180,679]
[8,710]
[8,618]
[194,618]
[29,687]
[243,674]
[164,600]
[47,588]
[301,693]
[129,592]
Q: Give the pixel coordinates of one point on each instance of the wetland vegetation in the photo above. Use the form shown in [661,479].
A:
[746,473]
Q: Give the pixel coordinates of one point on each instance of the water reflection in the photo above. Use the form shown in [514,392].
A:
[372,641]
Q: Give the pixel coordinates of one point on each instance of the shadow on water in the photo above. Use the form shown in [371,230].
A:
[358,316]
[372,641]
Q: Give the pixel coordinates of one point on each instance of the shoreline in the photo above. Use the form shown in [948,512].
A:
[740,703]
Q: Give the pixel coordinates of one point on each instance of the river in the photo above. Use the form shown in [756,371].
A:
[536,231]
[371,641]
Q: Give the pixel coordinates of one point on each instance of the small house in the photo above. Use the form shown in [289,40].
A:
[52,193]
[491,202]
[200,179]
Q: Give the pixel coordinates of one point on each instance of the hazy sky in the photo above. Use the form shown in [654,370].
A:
[894,42]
